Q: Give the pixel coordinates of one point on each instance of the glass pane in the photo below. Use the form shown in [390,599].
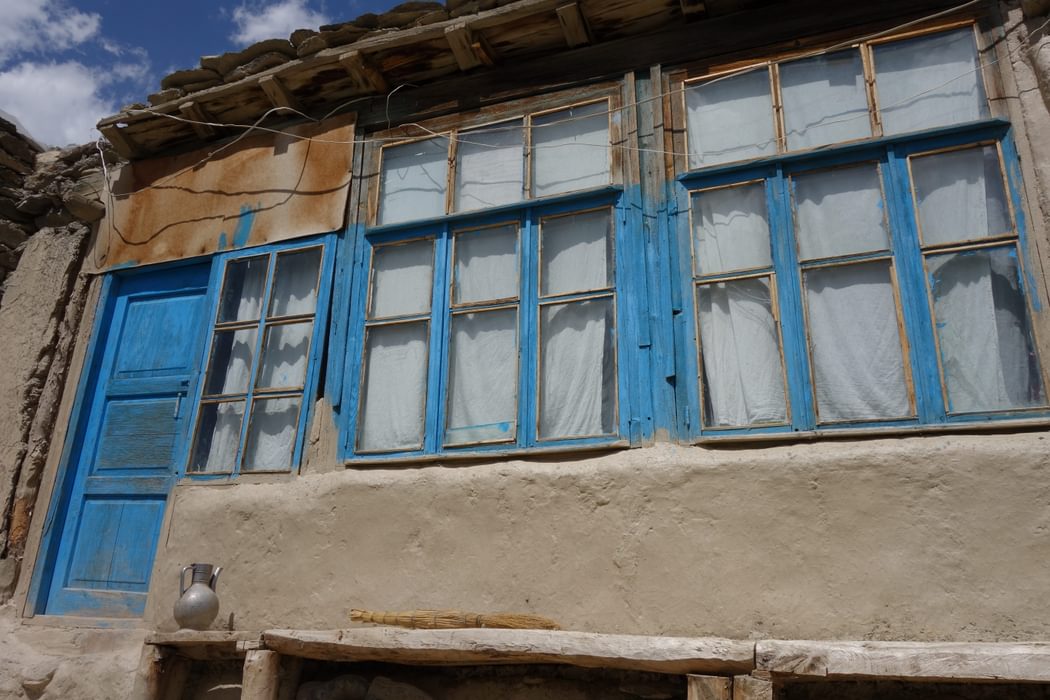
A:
[284,356]
[576,253]
[929,81]
[402,279]
[960,195]
[394,391]
[486,265]
[840,212]
[218,436]
[988,359]
[824,100]
[490,167]
[743,371]
[295,283]
[730,119]
[855,345]
[242,290]
[483,377]
[230,368]
[570,150]
[414,179]
[731,229]
[271,434]
[577,369]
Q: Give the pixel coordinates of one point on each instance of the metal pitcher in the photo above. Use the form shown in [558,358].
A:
[198,605]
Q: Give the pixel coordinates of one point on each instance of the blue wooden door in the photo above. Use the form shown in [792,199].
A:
[132,444]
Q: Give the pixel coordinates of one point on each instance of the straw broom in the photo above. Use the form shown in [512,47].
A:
[454,619]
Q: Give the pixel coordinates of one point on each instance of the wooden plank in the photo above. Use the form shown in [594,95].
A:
[460,40]
[944,661]
[121,143]
[752,688]
[491,646]
[709,687]
[194,111]
[261,679]
[364,74]
[693,8]
[574,25]
[278,94]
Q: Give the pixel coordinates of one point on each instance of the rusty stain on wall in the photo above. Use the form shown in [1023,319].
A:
[264,188]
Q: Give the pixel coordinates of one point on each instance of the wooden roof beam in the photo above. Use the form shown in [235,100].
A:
[278,94]
[199,117]
[366,77]
[574,25]
[693,9]
[121,142]
[471,50]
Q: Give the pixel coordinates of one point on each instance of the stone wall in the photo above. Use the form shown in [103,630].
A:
[17,159]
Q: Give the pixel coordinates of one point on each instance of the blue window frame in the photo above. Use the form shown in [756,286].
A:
[861,269]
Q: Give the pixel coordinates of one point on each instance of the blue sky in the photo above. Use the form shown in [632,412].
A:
[64,64]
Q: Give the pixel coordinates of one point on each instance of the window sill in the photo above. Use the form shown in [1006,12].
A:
[457,458]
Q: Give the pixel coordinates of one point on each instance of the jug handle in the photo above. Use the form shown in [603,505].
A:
[182,580]
[215,577]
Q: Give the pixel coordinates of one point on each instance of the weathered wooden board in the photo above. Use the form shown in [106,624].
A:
[491,646]
[907,660]
[261,676]
[708,687]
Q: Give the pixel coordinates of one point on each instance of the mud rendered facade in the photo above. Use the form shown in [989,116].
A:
[701,328]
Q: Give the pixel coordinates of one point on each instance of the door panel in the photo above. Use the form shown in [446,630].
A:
[133,445]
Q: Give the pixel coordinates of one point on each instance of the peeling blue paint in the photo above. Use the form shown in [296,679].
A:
[222,242]
[125,265]
[244,225]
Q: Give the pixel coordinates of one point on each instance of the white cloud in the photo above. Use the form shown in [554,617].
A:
[28,92]
[43,26]
[277,20]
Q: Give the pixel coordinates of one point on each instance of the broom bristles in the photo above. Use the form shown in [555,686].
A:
[454,619]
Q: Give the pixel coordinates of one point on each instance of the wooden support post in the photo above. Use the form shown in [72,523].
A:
[278,94]
[709,688]
[365,76]
[121,142]
[193,110]
[752,688]
[262,675]
[573,25]
[692,8]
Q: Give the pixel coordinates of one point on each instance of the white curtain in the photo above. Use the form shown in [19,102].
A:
[840,212]
[577,369]
[730,229]
[283,362]
[730,119]
[414,180]
[858,363]
[486,264]
[490,167]
[230,370]
[295,283]
[402,279]
[929,81]
[987,356]
[395,387]
[242,289]
[483,377]
[743,371]
[570,150]
[219,434]
[824,100]
[271,434]
[576,254]
[960,195]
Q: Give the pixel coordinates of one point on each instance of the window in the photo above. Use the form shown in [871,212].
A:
[488,311]
[259,362]
[855,243]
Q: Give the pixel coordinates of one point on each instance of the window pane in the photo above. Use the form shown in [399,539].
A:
[486,264]
[577,369]
[402,279]
[414,180]
[730,119]
[284,356]
[742,369]
[824,100]
[731,229]
[394,388]
[295,283]
[271,434]
[230,368]
[960,195]
[576,253]
[218,436]
[858,363]
[490,168]
[483,377]
[840,212]
[929,81]
[988,359]
[242,290]
[570,149]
